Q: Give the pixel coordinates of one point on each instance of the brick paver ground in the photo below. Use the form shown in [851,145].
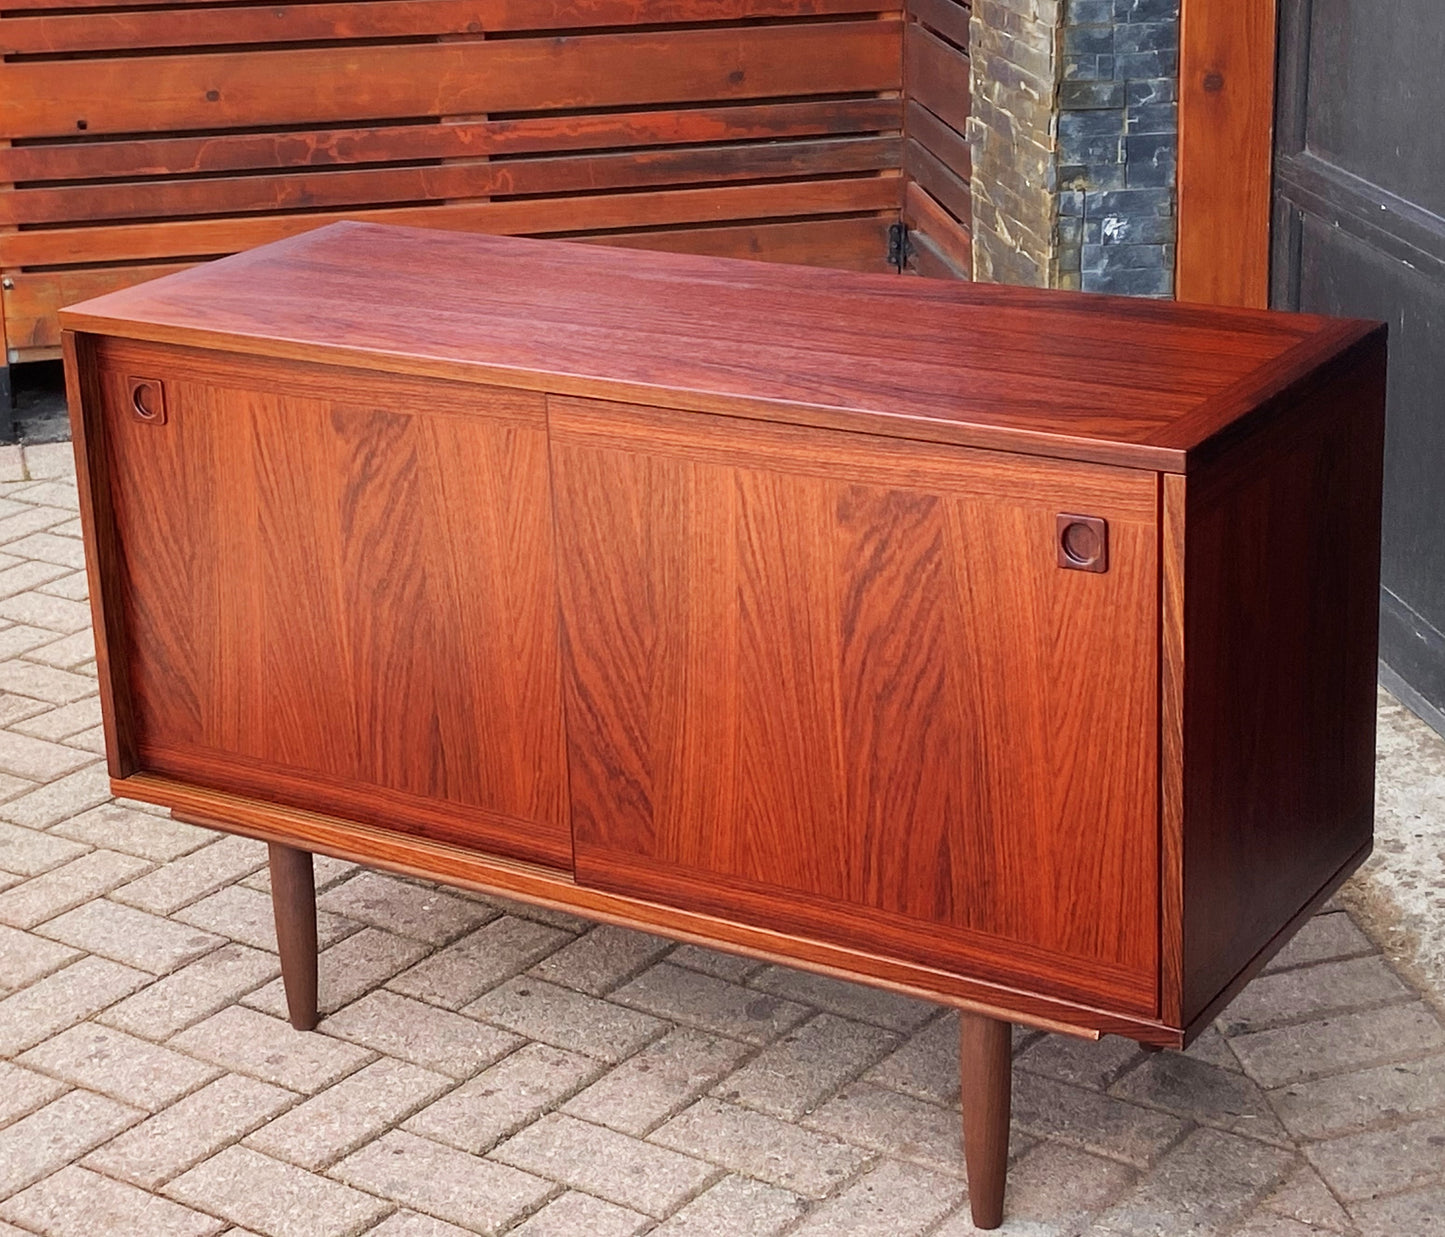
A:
[487,1068]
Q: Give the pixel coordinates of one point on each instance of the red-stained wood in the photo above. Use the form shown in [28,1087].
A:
[293,901]
[937,74]
[985,1070]
[343,592]
[972,365]
[1226,151]
[936,235]
[785,649]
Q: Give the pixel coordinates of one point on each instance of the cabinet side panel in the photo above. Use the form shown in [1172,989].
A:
[1280,614]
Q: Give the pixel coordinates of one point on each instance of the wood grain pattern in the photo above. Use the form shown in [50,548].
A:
[1278,691]
[785,668]
[1226,150]
[343,599]
[986,1070]
[976,365]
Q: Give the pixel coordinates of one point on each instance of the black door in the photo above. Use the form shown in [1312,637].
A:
[1359,230]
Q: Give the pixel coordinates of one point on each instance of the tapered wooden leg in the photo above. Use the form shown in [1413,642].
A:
[986,1072]
[293,900]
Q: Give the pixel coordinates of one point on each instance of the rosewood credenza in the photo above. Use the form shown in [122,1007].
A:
[1010,648]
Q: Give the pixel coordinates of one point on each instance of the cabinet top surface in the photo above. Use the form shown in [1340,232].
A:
[1118,380]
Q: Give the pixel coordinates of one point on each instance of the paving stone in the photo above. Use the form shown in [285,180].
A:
[1417,1214]
[187,879]
[1205,1186]
[573,925]
[246,916]
[194,992]
[157,838]
[1356,1101]
[1404,1157]
[28,574]
[92,741]
[277,1199]
[1304,1197]
[503,1098]
[735,1207]
[190,1130]
[895,1124]
[46,547]
[454,976]
[443,1182]
[12,787]
[1084,1063]
[1268,1224]
[73,587]
[50,460]
[1334,1045]
[612,1166]
[325,870]
[959,1224]
[51,494]
[15,708]
[25,957]
[414,910]
[49,1138]
[1213,1049]
[657,1082]
[27,852]
[699,1000]
[1051,1109]
[61,723]
[1054,1182]
[126,935]
[347,970]
[251,1043]
[566,1019]
[44,610]
[44,682]
[62,999]
[761,1146]
[66,653]
[1321,939]
[48,805]
[435,1038]
[1206,1093]
[902,1200]
[926,1066]
[63,889]
[413,1224]
[603,958]
[581,1215]
[342,1117]
[735,968]
[127,1069]
[23,1091]
[866,1004]
[78,1203]
[1291,996]
[37,759]
[792,1076]
[20,638]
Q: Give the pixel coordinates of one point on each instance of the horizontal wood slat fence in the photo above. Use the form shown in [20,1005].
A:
[136,140]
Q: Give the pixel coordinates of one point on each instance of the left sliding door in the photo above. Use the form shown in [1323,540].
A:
[336,591]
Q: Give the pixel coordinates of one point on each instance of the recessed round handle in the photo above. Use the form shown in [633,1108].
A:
[140,399]
[1081,544]
[147,400]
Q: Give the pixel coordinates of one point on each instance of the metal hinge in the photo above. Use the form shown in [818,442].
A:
[899,249]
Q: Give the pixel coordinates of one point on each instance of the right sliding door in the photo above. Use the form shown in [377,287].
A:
[847,688]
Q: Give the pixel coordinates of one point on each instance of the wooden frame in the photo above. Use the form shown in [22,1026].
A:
[1226,139]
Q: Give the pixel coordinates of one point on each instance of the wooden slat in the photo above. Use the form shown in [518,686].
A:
[560,174]
[189,238]
[1226,143]
[383,19]
[529,135]
[857,244]
[944,16]
[322,85]
[937,76]
[948,190]
[928,220]
[31,301]
[945,143]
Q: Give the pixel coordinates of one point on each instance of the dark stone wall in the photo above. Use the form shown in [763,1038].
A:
[1118,140]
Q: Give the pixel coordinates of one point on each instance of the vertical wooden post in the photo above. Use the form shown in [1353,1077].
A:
[986,1073]
[293,902]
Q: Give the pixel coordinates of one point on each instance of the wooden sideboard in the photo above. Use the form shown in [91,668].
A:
[1010,648]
